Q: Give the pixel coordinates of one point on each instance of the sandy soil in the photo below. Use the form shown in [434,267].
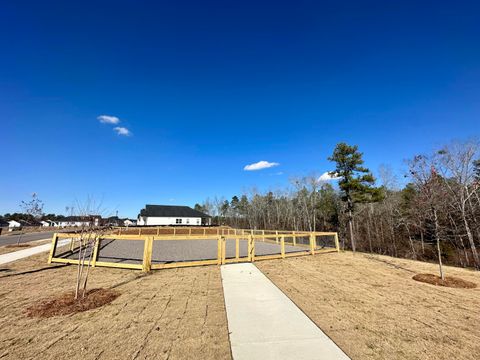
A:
[174,314]
[371,307]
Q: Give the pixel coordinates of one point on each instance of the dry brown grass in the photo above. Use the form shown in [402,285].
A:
[373,309]
[174,314]
[11,248]
[5,249]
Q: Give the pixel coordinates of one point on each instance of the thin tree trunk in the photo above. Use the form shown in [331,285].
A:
[437,239]
[476,260]
[423,243]
[350,228]
[414,253]
[369,235]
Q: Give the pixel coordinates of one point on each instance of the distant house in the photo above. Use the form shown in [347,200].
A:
[12,224]
[78,221]
[128,222]
[48,223]
[53,223]
[172,215]
[112,221]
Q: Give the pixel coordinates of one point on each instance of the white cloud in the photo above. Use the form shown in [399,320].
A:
[122,131]
[327,177]
[108,119]
[260,165]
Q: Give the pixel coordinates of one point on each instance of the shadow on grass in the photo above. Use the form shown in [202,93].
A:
[30,271]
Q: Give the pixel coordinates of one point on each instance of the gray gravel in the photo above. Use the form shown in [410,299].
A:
[131,251]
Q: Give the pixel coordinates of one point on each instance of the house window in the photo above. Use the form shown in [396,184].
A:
[178,221]
[198,221]
[188,221]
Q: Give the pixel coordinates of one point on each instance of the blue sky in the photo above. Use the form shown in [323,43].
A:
[206,88]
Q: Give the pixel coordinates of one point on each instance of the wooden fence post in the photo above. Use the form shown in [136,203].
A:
[337,244]
[294,239]
[276,236]
[282,246]
[253,249]
[312,243]
[224,249]
[139,231]
[147,254]
[237,248]
[250,249]
[54,246]
[219,250]
[95,251]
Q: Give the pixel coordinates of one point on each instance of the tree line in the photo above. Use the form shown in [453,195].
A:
[435,215]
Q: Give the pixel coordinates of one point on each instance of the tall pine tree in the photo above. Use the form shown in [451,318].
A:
[355,181]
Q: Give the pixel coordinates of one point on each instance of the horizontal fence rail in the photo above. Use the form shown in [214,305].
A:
[245,245]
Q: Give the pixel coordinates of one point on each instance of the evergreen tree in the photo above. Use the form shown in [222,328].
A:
[200,208]
[356,182]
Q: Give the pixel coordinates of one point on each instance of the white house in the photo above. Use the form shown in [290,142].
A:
[129,222]
[12,224]
[79,221]
[48,223]
[172,215]
[53,223]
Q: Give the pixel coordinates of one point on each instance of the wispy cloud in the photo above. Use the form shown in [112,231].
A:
[108,119]
[327,177]
[260,165]
[123,131]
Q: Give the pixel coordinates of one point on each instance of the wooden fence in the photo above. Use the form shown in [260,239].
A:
[218,235]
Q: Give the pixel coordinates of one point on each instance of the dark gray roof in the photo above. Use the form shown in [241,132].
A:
[171,211]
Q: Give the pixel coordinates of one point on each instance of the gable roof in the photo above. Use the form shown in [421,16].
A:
[171,211]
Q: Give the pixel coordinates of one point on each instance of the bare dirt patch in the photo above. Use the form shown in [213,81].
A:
[14,246]
[371,307]
[449,281]
[167,314]
[67,304]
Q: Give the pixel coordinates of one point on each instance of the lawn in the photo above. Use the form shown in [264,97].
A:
[371,307]
[169,314]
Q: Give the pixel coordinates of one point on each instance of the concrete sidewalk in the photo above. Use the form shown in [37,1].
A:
[20,254]
[265,324]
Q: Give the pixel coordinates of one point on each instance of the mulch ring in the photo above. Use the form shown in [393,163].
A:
[449,281]
[66,304]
